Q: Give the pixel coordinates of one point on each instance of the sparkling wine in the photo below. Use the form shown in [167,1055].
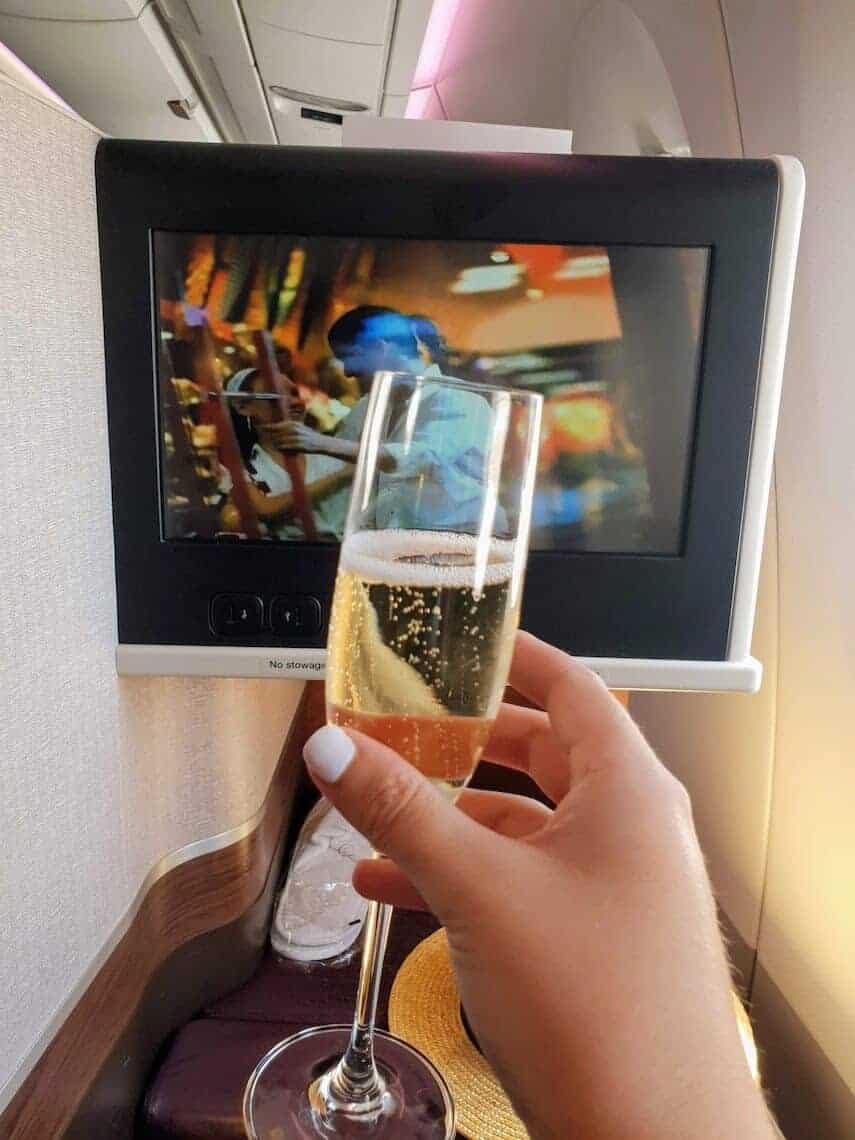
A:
[420,639]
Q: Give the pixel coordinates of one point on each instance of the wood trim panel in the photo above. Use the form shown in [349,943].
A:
[189,900]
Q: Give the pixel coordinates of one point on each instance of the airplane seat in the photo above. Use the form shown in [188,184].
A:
[196,1089]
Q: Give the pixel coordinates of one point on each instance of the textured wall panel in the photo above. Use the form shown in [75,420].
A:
[100,776]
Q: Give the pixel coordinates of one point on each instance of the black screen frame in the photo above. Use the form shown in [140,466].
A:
[595,605]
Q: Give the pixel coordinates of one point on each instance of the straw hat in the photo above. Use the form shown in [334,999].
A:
[424,1010]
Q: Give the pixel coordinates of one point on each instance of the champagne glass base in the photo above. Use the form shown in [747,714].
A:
[277,1104]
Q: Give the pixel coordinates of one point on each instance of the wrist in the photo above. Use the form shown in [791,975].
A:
[672,1105]
[705,1114]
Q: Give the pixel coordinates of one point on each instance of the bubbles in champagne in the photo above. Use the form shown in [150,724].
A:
[420,642]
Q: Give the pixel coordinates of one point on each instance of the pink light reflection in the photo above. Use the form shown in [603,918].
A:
[437,34]
[418,102]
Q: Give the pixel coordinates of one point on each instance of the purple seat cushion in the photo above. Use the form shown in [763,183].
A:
[198,1087]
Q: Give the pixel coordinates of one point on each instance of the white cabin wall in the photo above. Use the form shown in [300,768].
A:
[101,775]
[796,87]
[504,62]
[515,61]
[633,68]
[722,748]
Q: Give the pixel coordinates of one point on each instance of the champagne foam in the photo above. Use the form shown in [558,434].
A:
[379,556]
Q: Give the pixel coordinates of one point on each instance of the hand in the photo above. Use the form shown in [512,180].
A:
[292,435]
[296,404]
[584,939]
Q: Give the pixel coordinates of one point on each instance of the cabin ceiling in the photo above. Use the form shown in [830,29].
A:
[260,71]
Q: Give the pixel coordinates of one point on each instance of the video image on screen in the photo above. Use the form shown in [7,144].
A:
[267,346]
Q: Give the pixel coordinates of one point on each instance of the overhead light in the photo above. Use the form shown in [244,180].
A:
[589,265]
[488,278]
[500,256]
[326,101]
[534,294]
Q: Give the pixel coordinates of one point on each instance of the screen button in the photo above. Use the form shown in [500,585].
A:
[296,616]
[237,615]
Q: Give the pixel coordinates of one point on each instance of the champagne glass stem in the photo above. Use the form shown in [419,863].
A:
[355,1078]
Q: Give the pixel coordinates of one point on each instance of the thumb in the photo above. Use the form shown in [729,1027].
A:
[439,849]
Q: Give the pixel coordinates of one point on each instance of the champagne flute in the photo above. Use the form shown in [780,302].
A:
[426,605]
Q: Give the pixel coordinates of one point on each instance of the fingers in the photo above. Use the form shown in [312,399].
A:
[442,852]
[283,432]
[523,739]
[381,880]
[513,816]
[592,729]
[547,676]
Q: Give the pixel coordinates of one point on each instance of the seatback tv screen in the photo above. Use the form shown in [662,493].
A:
[252,293]
[267,346]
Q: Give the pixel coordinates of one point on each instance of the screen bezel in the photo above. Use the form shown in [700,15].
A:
[595,605]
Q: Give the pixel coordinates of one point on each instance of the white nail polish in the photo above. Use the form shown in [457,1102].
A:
[329,753]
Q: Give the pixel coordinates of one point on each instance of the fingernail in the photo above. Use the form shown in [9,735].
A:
[328,753]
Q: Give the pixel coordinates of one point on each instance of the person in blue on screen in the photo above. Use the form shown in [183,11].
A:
[449,428]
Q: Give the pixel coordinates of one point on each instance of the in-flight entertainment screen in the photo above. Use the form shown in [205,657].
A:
[267,345]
